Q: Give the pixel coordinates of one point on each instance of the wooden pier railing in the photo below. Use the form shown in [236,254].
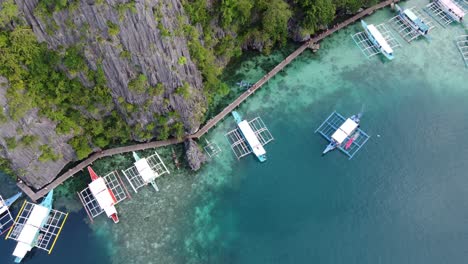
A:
[212,122]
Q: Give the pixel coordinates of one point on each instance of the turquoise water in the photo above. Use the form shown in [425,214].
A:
[401,199]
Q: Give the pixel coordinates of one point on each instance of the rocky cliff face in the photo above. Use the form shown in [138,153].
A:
[145,43]
[128,39]
[25,155]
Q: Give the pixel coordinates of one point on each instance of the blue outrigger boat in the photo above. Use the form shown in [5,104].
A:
[250,137]
[378,40]
[413,20]
[10,201]
[36,226]
[346,130]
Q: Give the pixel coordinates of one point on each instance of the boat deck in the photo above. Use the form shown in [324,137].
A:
[136,180]
[331,124]
[114,183]
[403,27]
[367,47]
[435,11]
[6,219]
[462,44]
[48,233]
[239,144]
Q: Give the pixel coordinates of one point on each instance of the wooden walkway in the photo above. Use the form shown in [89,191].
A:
[212,122]
[82,165]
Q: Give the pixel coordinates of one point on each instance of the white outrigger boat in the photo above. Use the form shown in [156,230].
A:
[145,171]
[104,196]
[345,131]
[37,225]
[378,40]
[453,10]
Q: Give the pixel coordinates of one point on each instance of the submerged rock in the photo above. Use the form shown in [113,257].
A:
[194,154]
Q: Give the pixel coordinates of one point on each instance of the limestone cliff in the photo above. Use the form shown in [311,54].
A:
[128,39]
[142,36]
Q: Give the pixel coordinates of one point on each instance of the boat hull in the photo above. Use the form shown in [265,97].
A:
[329,148]
[115,218]
[262,158]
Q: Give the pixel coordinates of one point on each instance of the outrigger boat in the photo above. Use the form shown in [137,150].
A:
[451,9]
[378,40]
[413,20]
[104,196]
[250,137]
[344,131]
[5,216]
[37,225]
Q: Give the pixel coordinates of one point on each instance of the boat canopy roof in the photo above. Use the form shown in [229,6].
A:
[21,250]
[251,138]
[339,136]
[345,130]
[145,170]
[349,126]
[453,7]
[97,186]
[32,225]
[416,20]
[380,39]
[410,14]
[102,194]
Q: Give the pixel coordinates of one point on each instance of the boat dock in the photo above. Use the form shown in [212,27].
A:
[331,124]
[35,195]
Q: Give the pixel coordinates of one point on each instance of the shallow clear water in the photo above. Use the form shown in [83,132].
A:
[401,199]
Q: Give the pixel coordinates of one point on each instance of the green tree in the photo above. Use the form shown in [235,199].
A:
[47,154]
[184,90]
[139,84]
[275,21]
[81,146]
[182,60]
[28,140]
[235,12]
[74,60]
[317,13]
[11,142]
[113,29]
[178,130]
[8,12]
